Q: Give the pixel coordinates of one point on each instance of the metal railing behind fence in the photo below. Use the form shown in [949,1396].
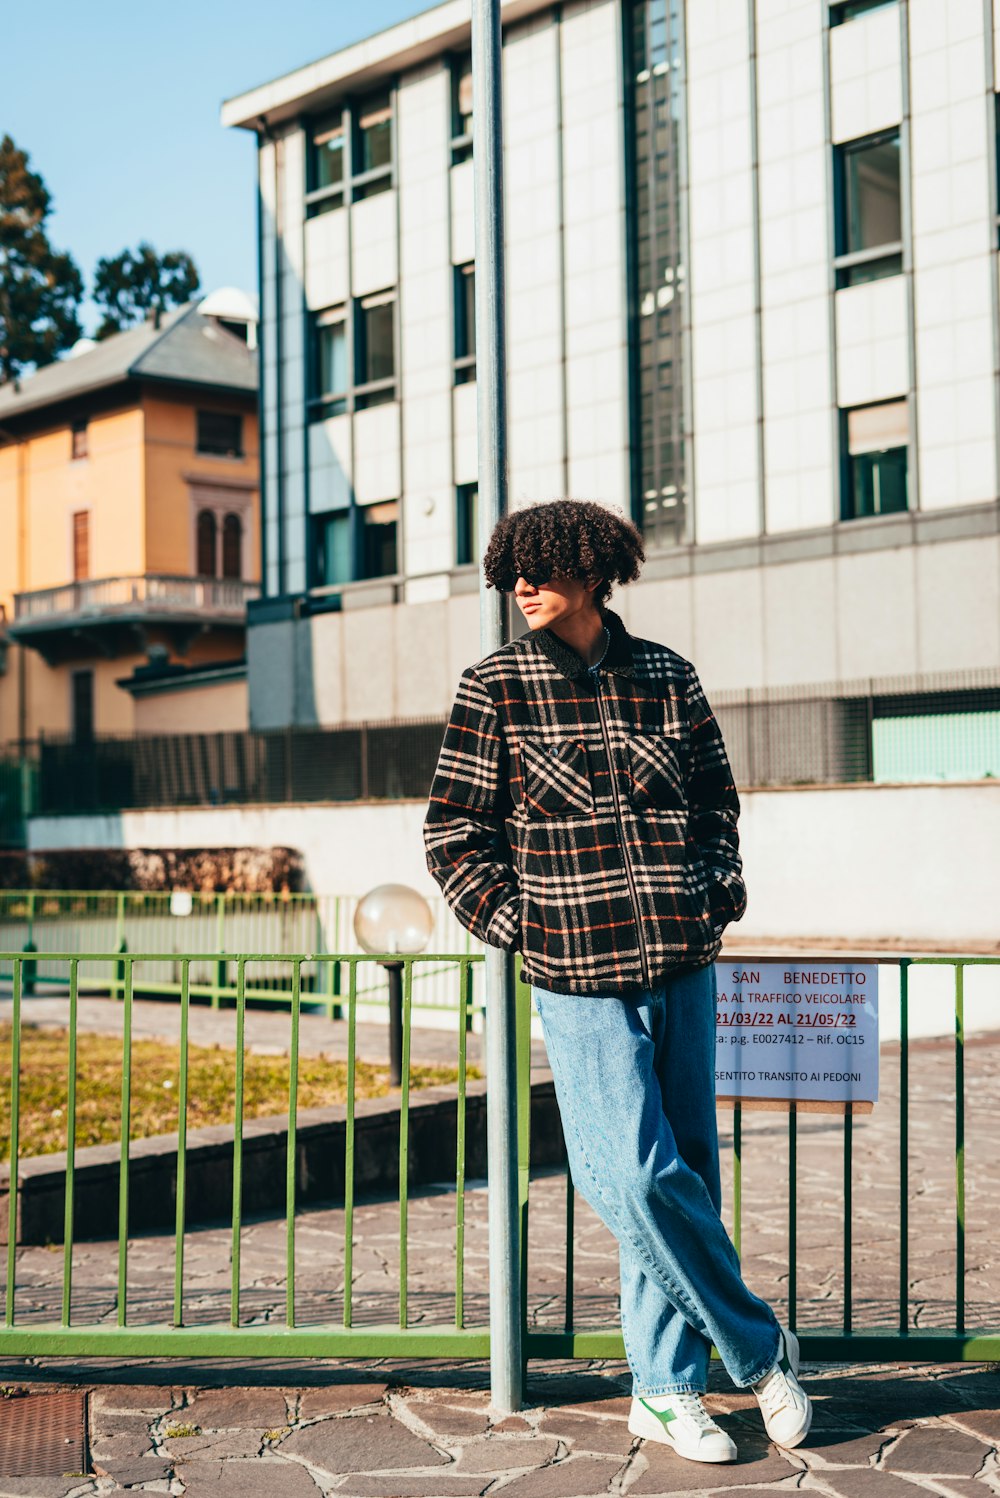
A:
[218,926]
[348,1322]
[846,733]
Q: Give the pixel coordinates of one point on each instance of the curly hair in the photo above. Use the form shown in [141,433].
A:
[575,538]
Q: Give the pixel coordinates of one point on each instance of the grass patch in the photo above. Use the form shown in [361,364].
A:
[155,1083]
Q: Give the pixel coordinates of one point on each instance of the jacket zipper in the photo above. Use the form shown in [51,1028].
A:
[595,673]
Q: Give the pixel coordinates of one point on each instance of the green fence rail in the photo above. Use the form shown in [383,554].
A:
[446,1330]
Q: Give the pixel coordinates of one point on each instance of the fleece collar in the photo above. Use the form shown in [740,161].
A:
[617,657]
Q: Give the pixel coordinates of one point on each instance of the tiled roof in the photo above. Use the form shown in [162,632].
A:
[186,349]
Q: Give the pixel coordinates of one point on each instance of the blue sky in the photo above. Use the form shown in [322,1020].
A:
[118,104]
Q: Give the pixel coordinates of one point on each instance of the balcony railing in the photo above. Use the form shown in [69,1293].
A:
[156,594]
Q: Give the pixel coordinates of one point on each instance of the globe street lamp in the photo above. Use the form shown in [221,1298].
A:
[393,918]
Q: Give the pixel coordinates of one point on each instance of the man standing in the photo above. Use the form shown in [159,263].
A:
[583,813]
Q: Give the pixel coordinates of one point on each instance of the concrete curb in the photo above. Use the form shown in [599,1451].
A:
[321,1135]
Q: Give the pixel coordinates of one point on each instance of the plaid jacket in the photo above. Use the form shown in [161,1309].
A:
[586,817]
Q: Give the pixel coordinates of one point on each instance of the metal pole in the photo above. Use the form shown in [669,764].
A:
[506,1391]
[395,971]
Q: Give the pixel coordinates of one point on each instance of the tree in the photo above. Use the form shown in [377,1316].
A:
[40,288]
[129,286]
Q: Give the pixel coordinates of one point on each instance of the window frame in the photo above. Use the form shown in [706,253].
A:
[356,184]
[839,9]
[365,520]
[460,140]
[378,391]
[319,401]
[357,396]
[239,454]
[333,195]
[464,325]
[211,533]
[78,451]
[79,542]
[465,541]
[82,705]
[317,522]
[845,262]
[848,489]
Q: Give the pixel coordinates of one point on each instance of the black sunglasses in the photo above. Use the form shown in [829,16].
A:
[537,579]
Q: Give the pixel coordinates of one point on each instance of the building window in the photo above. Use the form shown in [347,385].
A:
[327,167]
[466,524]
[232,546]
[658,291]
[81,545]
[82,706]
[378,538]
[461,109]
[330,374]
[874,442]
[207,530]
[375,349]
[372,146]
[332,549]
[220,434]
[465,323]
[868,210]
[848,10]
[80,440]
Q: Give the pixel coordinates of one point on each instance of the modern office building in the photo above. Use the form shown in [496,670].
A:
[752,292]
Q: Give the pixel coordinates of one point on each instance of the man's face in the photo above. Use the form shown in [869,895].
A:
[556,600]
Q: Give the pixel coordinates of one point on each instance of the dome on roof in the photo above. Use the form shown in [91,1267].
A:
[230,303]
[81,346]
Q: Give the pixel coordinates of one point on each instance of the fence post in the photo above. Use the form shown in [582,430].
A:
[221,967]
[29,970]
[121,945]
[506,1365]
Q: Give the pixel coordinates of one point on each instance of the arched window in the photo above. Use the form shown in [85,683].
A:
[206,543]
[232,546]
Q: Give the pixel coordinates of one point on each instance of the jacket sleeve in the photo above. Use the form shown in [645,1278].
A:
[467,849]
[714,808]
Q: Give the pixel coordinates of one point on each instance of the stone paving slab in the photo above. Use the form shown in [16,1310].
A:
[353,1435]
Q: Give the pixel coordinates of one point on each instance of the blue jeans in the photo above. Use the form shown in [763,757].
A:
[635,1082]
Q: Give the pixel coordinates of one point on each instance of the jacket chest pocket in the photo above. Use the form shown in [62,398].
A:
[556,778]
[657,770]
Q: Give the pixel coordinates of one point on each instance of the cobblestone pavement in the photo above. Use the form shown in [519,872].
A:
[819,1260]
[422,1431]
[384,1431]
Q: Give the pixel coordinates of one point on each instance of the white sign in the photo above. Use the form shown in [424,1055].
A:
[181,902]
[801,1029]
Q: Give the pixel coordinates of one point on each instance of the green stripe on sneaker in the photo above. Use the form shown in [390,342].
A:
[664,1416]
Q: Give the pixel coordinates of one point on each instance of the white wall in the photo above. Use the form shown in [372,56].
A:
[795,332]
[534,259]
[953,259]
[425,306]
[917,863]
[593,254]
[721,273]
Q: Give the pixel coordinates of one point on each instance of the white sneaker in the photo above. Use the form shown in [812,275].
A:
[785,1405]
[681,1421]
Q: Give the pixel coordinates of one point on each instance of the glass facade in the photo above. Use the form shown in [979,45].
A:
[876,441]
[654,123]
[332,549]
[869,210]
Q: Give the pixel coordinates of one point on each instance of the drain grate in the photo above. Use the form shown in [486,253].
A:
[43,1435]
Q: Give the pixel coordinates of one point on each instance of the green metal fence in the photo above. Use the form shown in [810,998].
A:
[449,1331]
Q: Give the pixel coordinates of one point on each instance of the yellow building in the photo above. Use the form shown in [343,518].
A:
[129,529]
